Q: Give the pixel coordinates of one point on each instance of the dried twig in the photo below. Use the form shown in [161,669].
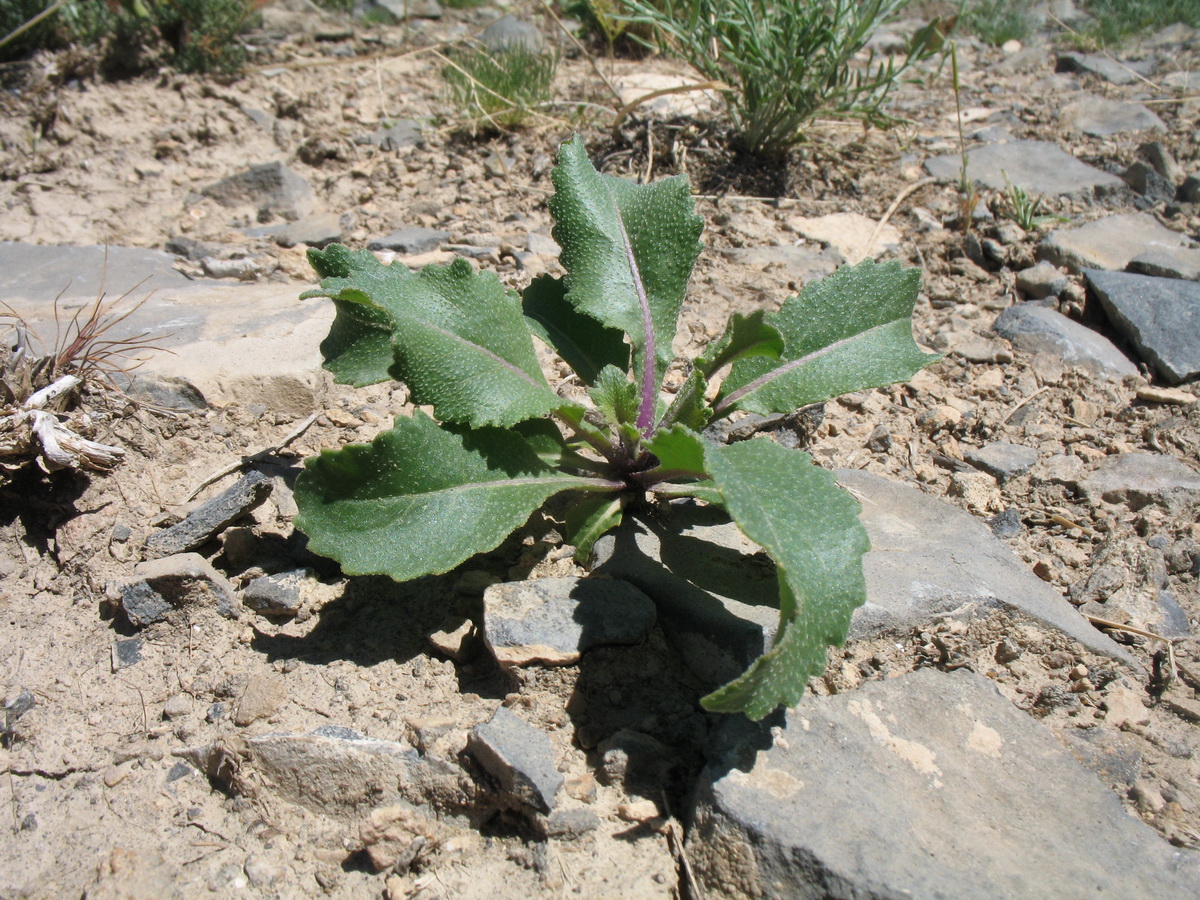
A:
[254,457]
[900,198]
[1012,412]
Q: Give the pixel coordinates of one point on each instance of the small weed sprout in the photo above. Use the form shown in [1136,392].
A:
[435,490]
[1026,210]
[501,89]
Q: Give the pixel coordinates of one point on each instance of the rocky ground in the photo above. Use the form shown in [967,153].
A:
[194,703]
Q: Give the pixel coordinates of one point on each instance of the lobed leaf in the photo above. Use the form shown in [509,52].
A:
[457,338]
[628,250]
[809,525]
[583,343]
[420,499]
[849,331]
[744,336]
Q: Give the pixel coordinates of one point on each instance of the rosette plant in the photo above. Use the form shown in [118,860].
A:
[433,491]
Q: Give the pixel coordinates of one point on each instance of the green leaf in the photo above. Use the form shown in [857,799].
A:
[582,342]
[419,499]
[678,449]
[589,519]
[358,348]
[459,339]
[615,396]
[795,511]
[628,250]
[744,336]
[849,331]
[689,407]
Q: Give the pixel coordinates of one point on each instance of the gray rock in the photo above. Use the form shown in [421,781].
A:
[1168,262]
[317,230]
[1006,524]
[1111,70]
[557,620]
[1102,117]
[510,33]
[971,798]
[127,652]
[1156,153]
[164,391]
[407,9]
[1001,459]
[410,241]
[333,771]
[277,595]
[1151,184]
[163,585]
[272,188]
[519,756]
[1039,167]
[542,244]
[568,824]
[405,133]
[1189,191]
[1141,479]
[1039,329]
[35,272]
[1159,316]
[717,591]
[1041,281]
[1108,243]
[637,762]
[208,519]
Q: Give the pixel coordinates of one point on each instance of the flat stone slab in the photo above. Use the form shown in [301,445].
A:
[1168,262]
[1159,316]
[1108,243]
[717,592]
[1102,117]
[557,620]
[1039,167]
[928,786]
[801,263]
[410,241]
[1038,329]
[1140,479]
[32,275]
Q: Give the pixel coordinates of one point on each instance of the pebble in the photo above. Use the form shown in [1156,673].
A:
[177,706]
[263,697]
[204,522]
[1123,706]
[1041,280]
[519,756]
[162,585]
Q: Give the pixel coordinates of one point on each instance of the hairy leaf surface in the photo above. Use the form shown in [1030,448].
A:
[849,331]
[796,511]
[583,343]
[628,250]
[590,518]
[458,339]
[419,499]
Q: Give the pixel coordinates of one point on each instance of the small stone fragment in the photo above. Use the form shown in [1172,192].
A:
[453,640]
[568,824]
[1039,329]
[977,489]
[1141,479]
[1159,316]
[211,517]
[641,810]
[1123,706]
[1041,281]
[163,585]
[410,241]
[177,706]
[263,697]
[519,756]
[277,595]
[394,836]
[1176,396]
[127,652]
[1002,460]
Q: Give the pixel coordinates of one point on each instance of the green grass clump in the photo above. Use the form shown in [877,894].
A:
[1115,20]
[502,89]
[192,35]
[786,61]
[996,22]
